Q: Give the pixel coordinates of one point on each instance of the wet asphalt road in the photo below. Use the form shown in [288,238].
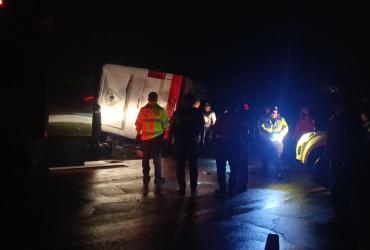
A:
[110,209]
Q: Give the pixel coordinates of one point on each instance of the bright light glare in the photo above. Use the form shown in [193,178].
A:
[112,116]
[72,118]
[274,199]
[277,137]
[272,204]
[132,114]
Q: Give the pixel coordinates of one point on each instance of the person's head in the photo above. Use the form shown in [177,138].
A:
[153,97]
[274,112]
[189,100]
[246,107]
[207,107]
[196,103]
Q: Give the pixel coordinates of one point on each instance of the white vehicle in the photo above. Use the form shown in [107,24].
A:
[124,90]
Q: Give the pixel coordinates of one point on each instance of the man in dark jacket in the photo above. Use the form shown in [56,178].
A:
[345,136]
[186,126]
[232,135]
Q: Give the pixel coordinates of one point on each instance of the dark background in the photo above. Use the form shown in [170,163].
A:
[288,55]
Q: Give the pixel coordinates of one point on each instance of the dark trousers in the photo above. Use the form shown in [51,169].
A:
[207,141]
[205,136]
[233,153]
[271,158]
[152,150]
[243,170]
[186,150]
[340,187]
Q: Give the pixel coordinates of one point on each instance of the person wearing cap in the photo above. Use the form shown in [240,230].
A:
[273,130]
[209,122]
[151,123]
[304,124]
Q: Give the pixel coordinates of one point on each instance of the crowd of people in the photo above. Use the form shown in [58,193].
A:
[195,131]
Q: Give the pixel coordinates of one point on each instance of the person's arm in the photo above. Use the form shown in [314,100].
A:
[284,129]
[217,129]
[139,123]
[172,128]
[213,116]
[200,123]
[199,130]
[164,120]
[264,131]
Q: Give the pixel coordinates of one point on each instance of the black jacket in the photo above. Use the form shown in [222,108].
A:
[186,124]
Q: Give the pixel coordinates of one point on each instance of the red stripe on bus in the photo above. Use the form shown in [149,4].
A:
[173,97]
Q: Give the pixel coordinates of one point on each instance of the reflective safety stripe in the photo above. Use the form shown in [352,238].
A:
[151,120]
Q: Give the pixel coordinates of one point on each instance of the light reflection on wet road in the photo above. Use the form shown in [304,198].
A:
[110,209]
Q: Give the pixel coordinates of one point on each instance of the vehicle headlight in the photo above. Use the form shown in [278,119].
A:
[306,137]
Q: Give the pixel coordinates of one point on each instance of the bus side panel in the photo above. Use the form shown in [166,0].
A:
[113,96]
[134,96]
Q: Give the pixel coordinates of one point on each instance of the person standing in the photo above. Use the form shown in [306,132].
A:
[209,122]
[186,126]
[273,130]
[345,137]
[244,175]
[151,123]
[96,125]
[231,133]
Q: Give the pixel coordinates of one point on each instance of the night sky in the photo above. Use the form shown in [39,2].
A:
[269,54]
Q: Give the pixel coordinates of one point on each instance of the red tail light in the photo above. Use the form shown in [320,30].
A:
[157,74]
[88,98]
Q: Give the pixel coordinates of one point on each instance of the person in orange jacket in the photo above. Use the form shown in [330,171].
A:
[151,123]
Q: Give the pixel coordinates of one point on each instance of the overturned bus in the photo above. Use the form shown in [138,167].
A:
[122,91]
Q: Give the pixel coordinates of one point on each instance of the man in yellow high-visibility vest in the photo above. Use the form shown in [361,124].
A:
[273,129]
[151,123]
